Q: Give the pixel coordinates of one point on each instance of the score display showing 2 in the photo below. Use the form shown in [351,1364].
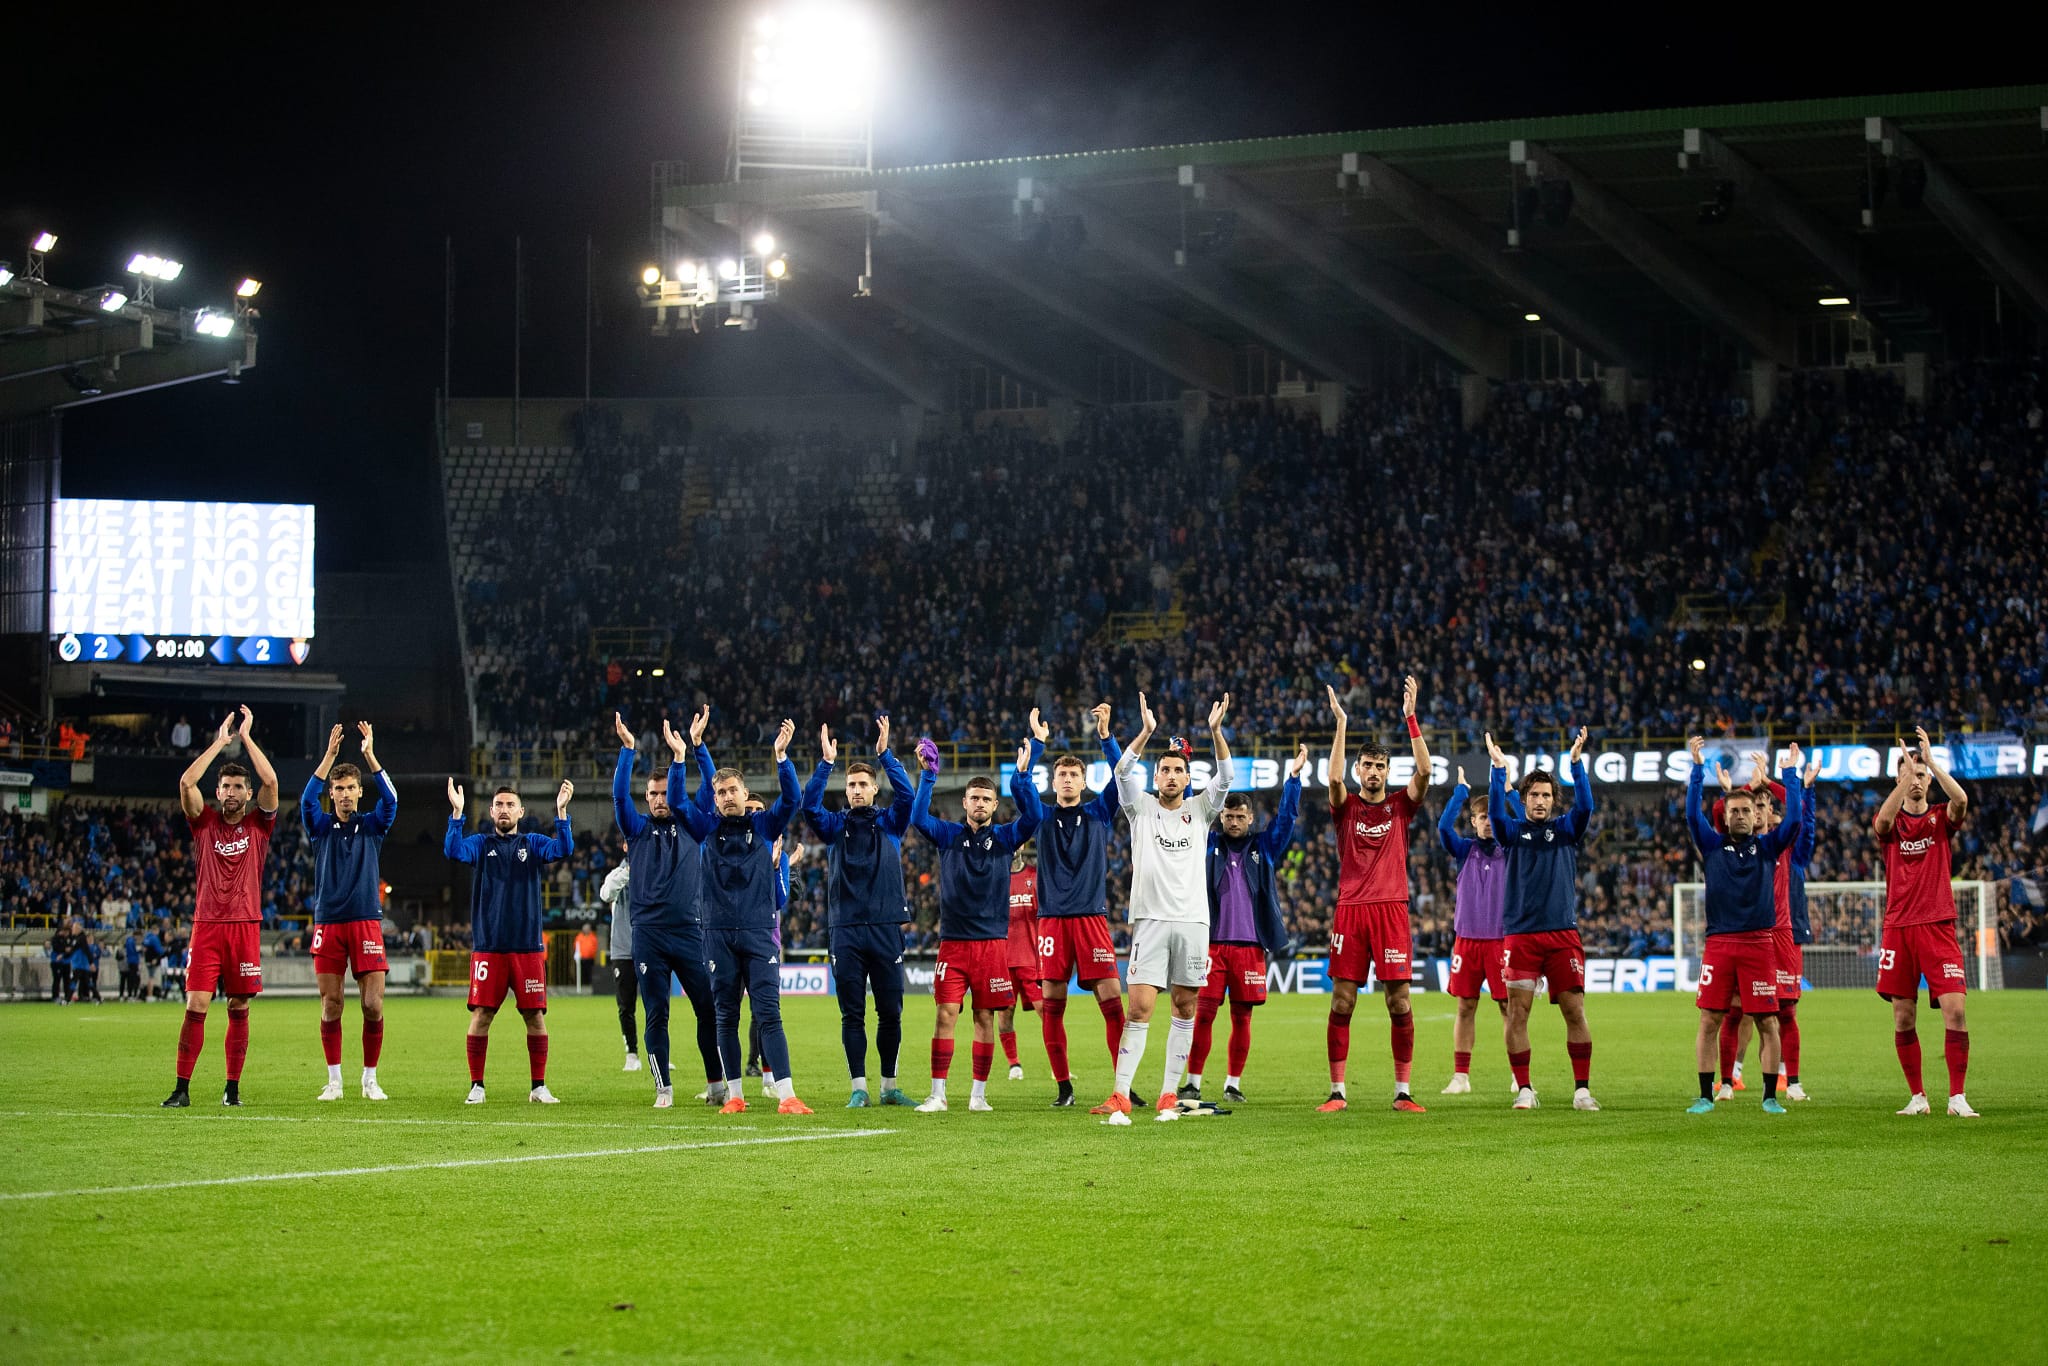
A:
[256,651]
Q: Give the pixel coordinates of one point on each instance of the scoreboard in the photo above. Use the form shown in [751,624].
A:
[93,648]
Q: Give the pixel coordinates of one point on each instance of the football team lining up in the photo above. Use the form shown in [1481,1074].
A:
[699,897]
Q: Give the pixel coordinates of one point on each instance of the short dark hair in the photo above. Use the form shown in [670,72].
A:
[504,788]
[1070,761]
[1373,751]
[1535,776]
[978,780]
[1237,801]
[1171,754]
[345,773]
[860,766]
[232,771]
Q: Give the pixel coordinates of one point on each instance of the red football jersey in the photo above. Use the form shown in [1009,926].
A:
[1916,869]
[230,859]
[1024,897]
[1372,847]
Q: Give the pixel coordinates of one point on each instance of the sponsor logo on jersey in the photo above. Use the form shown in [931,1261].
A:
[231,848]
[1176,845]
[1374,832]
[1919,846]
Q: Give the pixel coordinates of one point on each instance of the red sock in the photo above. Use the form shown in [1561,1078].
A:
[1518,1063]
[373,1041]
[1205,1035]
[1955,1047]
[1113,1025]
[1009,1040]
[1908,1043]
[942,1058]
[1052,1025]
[1461,1061]
[1788,1039]
[479,1044]
[191,1043]
[984,1056]
[1731,1036]
[1582,1061]
[1337,1039]
[1240,1037]
[330,1041]
[1402,1027]
[537,1057]
[238,1041]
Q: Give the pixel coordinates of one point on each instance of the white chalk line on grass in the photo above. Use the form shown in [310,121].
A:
[158,1118]
[452,1164]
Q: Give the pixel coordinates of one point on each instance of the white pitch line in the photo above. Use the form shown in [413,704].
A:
[439,1166]
[348,1119]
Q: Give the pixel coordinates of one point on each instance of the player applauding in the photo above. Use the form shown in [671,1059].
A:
[348,917]
[1919,937]
[1739,962]
[228,847]
[1371,935]
[1540,913]
[506,951]
[974,911]
[1073,906]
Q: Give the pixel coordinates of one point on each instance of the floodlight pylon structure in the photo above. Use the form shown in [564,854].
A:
[804,101]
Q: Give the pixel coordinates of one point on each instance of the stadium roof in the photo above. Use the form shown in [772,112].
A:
[1647,239]
[63,347]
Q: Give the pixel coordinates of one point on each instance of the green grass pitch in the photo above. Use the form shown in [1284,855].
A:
[1836,1232]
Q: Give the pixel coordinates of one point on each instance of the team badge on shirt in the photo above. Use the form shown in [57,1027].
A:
[522,853]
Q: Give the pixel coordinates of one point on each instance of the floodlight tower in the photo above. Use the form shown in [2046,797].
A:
[805,93]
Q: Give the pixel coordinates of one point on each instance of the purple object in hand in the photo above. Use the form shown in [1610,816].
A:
[928,754]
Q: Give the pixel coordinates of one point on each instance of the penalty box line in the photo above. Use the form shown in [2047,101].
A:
[452,1164]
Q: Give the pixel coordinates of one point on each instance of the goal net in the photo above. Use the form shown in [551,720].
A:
[1846,918]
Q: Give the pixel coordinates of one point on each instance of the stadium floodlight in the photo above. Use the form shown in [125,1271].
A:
[764,243]
[651,276]
[686,271]
[6,272]
[1834,301]
[1532,317]
[777,268]
[155,267]
[113,301]
[44,241]
[728,269]
[249,288]
[208,323]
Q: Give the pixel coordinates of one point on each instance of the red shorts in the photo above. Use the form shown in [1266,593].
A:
[226,957]
[1020,951]
[1236,970]
[1371,938]
[525,975]
[1553,954]
[1905,954]
[980,964]
[357,945]
[1475,964]
[1740,971]
[1077,946]
[1791,965]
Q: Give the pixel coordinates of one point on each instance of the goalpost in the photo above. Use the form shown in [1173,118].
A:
[1846,918]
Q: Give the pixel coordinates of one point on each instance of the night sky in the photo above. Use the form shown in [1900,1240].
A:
[330,151]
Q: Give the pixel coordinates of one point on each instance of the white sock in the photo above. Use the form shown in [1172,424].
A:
[1400,1088]
[369,1076]
[860,1083]
[1180,1041]
[1129,1054]
[768,1083]
[980,1091]
[1232,1083]
[1195,1080]
[888,1083]
[1336,1088]
[334,1074]
[733,1089]
[1737,1073]
[785,1089]
[939,1087]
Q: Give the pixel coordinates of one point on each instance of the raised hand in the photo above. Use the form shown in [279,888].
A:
[1811,774]
[333,744]
[1697,748]
[1795,756]
[1336,707]
[1100,711]
[1218,711]
[369,744]
[1039,728]
[784,733]
[1578,745]
[1725,778]
[1461,776]
[1300,764]
[1926,749]
[454,797]
[624,731]
[562,796]
[227,730]
[697,724]
[677,746]
[1145,716]
[1024,758]
[881,733]
[1493,752]
[928,755]
[1408,691]
[249,724]
[826,748]
[1759,768]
